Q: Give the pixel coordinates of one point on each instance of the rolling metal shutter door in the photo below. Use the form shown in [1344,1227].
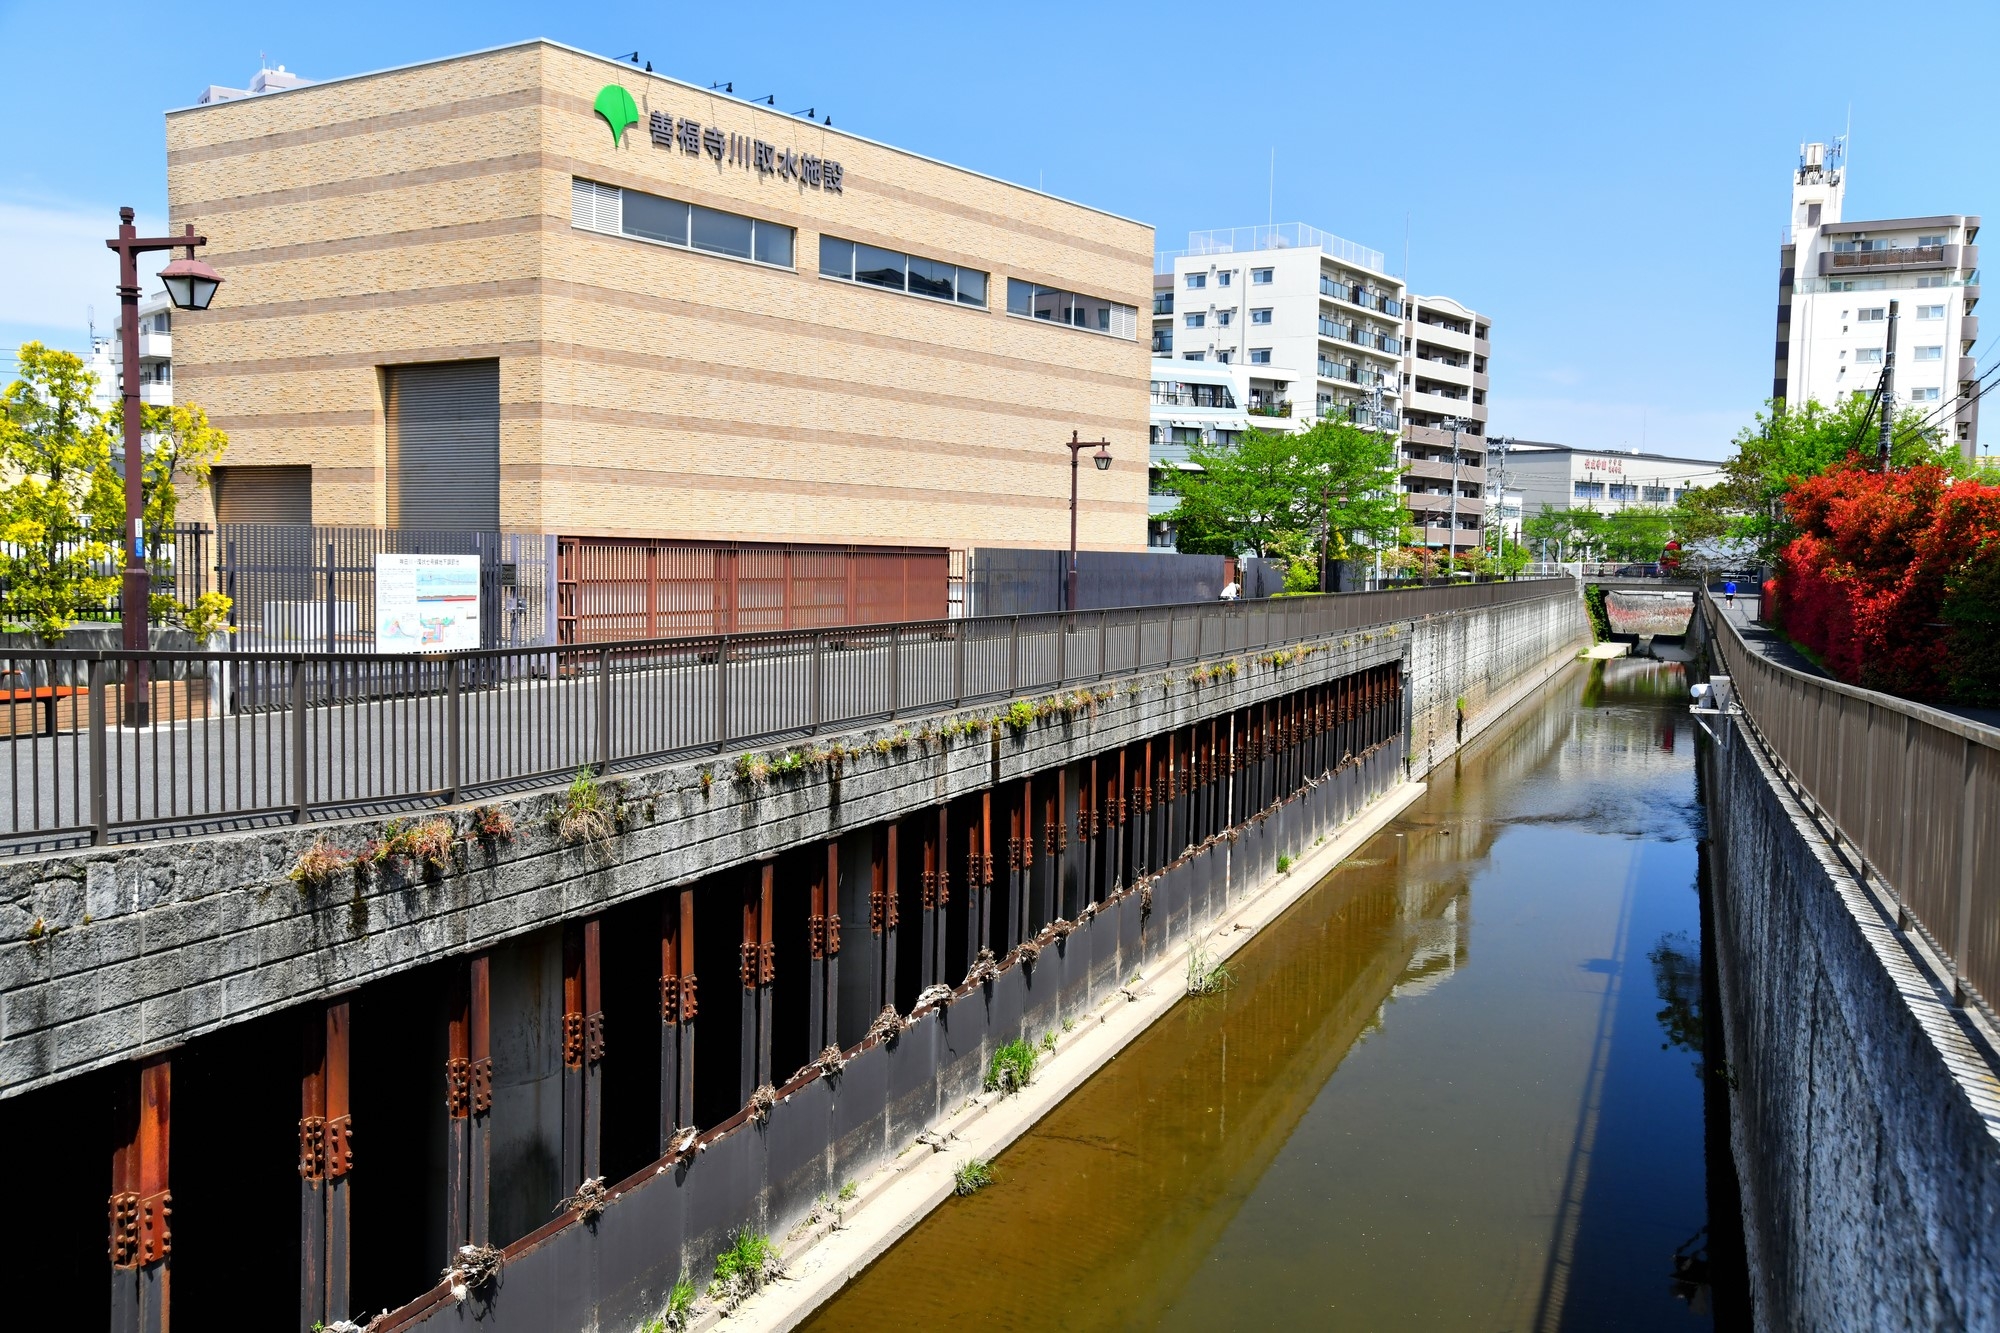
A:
[263,495]
[444,446]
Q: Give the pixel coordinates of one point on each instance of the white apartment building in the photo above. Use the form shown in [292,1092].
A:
[1209,403]
[1445,380]
[156,357]
[1837,280]
[1288,296]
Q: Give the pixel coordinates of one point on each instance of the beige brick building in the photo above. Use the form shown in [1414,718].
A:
[681,345]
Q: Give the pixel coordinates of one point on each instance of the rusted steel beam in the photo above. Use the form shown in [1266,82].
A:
[479,1092]
[312,1171]
[830,946]
[885,921]
[140,1209]
[980,931]
[816,961]
[767,970]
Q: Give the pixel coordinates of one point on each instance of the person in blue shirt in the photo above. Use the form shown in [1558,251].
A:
[1729,591]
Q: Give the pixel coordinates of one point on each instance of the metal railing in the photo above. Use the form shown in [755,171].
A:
[110,747]
[1911,789]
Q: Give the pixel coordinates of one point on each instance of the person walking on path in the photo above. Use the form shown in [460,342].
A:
[1729,591]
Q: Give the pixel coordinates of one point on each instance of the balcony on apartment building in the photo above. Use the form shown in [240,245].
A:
[1175,394]
[1883,257]
[1356,294]
[1266,404]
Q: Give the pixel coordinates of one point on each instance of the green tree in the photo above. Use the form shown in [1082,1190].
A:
[1571,534]
[1787,444]
[1636,534]
[53,445]
[1324,490]
[181,448]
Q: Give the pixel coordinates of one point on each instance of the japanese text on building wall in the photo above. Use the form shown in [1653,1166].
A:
[1604,465]
[694,139]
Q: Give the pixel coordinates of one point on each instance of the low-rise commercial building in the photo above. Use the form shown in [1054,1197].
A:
[536,289]
[1561,476]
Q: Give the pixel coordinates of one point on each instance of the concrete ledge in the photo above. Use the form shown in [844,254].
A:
[902,1193]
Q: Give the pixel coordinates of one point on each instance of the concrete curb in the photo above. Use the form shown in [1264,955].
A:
[903,1192]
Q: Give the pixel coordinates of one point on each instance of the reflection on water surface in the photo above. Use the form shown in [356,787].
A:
[1451,1088]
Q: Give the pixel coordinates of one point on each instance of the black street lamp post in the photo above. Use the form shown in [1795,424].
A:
[1103,460]
[190,285]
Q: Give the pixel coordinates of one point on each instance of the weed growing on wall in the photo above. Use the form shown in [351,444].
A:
[318,865]
[585,813]
[742,1268]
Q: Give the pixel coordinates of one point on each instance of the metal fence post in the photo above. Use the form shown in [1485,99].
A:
[895,669]
[604,710]
[958,669]
[818,679]
[299,812]
[1013,654]
[1062,648]
[722,691]
[331,569]
[454,732]
[100,796]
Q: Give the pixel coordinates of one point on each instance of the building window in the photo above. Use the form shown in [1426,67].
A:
[1163,341]
[1260,277]
[1869,314]
[1222,278]
[1590,490]
[1260,356]
[1938,239]
[1923,395]
[1930,353]
[1933,280]
[1930,312]
[648,217]
[1196,280]
[1194,356]
[1196,321]
[1868,356]
[892,270]
[1624,491]
[1260,316]
[1224,318]
[1222,354]
[1653,495]
[1081,312]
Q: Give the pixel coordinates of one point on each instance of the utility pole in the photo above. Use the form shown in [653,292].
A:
[1498,445]
[1451,546]
[1888,391]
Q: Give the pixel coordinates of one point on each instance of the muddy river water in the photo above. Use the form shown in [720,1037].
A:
[1461,1084]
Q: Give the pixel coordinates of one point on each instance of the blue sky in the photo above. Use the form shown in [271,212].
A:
[1606,182]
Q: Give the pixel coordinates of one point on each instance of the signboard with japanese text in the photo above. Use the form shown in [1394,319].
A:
[426,603]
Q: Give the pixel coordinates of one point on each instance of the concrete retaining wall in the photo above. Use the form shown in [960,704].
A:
[1866,1114]
[110,954]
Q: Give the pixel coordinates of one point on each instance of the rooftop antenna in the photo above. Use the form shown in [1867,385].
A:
[90,321]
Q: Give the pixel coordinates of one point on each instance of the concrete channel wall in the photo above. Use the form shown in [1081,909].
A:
[110,954]
[1865,1114]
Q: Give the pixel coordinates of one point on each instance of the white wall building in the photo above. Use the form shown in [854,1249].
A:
[1212,403]
[1288,296]
[1447,345]
[156,357]
[1563,477]
[1836,282]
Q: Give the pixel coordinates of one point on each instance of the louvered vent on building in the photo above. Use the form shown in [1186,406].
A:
[263,495]
[444,446]
[596,207]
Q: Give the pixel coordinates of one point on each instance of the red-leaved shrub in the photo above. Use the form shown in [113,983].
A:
[1865,584]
